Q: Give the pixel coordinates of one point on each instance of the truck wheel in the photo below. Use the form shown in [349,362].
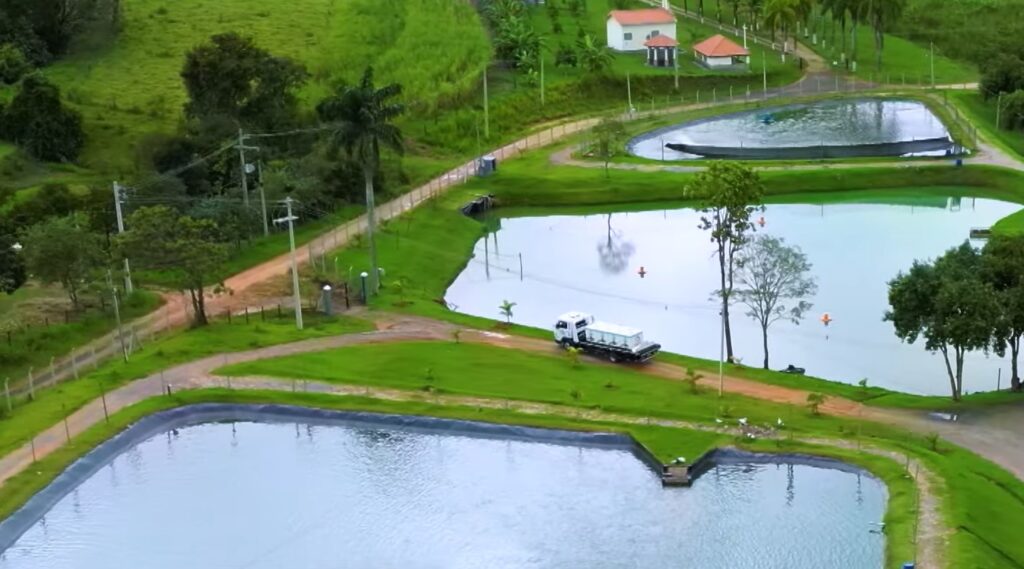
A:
[565,343]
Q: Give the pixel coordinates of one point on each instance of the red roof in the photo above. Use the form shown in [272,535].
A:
[720,46]
[661,41]
[641,17]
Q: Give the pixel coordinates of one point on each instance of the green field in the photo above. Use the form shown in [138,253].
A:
[129,86]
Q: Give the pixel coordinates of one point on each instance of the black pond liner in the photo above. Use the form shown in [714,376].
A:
[12,528]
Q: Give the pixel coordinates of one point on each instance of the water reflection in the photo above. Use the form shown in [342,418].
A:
[387,498]
[855,249]
[614,251]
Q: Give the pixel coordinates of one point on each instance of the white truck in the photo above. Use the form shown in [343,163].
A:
[617,343]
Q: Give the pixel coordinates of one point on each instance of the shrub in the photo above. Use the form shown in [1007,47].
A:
[13,64]
[37,121]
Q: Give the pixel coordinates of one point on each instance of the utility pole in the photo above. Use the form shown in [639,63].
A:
[128,288]
[241,166]
[675,64]
[721,354]
[764,73]
[487,110]
[999,107]
[933,63]
[629,94]
[117,315]
[263,197]
[541,52]
[290,219]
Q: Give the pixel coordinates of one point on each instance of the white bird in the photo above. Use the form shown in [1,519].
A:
[779,421]
[717,420]
[743,421]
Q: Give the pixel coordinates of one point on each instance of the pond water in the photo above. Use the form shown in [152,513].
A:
[591,263]
[271,495]
[841,122]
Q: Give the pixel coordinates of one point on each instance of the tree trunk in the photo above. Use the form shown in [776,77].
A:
[959,373]
[198,306]
[949,372]
[764,341]
[878,47]
[1014,352]
[842,32]
[371,226]
[700,8]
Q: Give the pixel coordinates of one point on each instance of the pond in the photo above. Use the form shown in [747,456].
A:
[266,495]
[854,127]
[591,263]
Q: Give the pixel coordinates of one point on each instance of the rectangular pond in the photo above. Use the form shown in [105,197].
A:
[591,263]
[306,495]
[867,127]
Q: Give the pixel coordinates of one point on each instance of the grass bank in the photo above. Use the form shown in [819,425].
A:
[34,345]
[29,418]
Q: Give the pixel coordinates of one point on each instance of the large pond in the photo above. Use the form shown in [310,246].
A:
[590,263]
[844,122]
[306,496]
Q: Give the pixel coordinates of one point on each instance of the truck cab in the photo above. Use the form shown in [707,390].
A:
[571,328]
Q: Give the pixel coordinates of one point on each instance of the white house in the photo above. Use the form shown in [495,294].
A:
[629,29]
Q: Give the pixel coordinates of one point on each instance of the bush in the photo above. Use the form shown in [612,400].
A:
[13,65]
[37,121]
[1004,75]
[1013,110]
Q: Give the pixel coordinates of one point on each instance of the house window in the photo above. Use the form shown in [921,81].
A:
[655,33]
[628,36]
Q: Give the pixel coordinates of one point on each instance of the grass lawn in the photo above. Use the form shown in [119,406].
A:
[33,345]
[30,417]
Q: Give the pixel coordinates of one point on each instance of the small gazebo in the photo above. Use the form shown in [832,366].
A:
[719,52]
[661,51]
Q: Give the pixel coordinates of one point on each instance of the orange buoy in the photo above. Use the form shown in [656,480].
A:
[642,272]
[826,319]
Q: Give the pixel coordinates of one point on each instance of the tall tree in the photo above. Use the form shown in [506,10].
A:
[730,193]
[949,305]
[363,114]
[231,76]
[774,283]
[161,239]
[609,140]
[38,121]
[1003,263]
[63,250]
[880,15]
[780,15]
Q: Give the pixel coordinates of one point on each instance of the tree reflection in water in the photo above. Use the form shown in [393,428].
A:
[614,251]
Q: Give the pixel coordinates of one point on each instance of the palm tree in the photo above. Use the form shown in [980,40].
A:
[594,56]
[782,15]
[363,114]
[506,310]
[879,14]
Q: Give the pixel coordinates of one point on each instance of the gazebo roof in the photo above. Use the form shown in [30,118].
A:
[642,17]
[720,46]
[661,41]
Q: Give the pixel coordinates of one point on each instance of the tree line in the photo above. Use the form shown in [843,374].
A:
[1002,83]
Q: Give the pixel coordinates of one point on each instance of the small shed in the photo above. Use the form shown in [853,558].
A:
[661,51]
[719,52]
